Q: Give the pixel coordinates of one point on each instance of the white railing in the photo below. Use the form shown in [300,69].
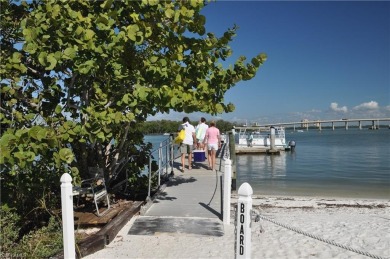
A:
[261,136]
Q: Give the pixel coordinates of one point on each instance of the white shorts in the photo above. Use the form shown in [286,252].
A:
[212,146]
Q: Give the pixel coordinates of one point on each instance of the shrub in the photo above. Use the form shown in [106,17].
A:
[40,243]
[9,233]
[44,242]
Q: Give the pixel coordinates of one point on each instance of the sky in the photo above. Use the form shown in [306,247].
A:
[326,59]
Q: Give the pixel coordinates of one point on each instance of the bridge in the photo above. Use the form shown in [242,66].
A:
[375,123]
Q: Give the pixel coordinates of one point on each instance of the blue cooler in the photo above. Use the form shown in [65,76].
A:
[199,155]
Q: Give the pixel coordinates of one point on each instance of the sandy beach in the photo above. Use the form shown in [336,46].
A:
[361,225]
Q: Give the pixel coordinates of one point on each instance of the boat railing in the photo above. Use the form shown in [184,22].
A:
[261,134]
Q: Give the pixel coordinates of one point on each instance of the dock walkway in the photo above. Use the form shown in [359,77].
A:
[191,202]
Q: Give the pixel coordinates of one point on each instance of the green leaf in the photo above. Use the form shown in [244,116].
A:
[125,99]
[21,156]
[29,34]
[42,58]
[132,31]
[107,4]
[30,156]
[196,3]
[77,129]
[89,34]
[153,2]
[86,67]
[16,56]
[4,155]
[65,136]
[30,47]
[153,59]
[52,60]
[178,78]
[203,85]
[58,109]
[169,13]
[101,136]
[66,155]
[56,10]
[42,134]
[163,62]
[255,62]
[29,116]
[45,38]
[79,30]
[148,32]
[219,108]
[7,139]
[34,131]
[118,117]
[70,53]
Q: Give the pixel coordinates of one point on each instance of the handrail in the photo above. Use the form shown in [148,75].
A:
[164,158]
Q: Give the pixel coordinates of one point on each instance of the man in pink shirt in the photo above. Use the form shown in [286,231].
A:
[213,140]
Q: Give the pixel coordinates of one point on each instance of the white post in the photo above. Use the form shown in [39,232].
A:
[67,216]
[243,225]
[272,138]
[227,181]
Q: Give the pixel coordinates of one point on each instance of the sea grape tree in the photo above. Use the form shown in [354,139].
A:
[78,76]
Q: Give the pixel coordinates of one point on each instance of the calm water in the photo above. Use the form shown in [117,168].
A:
[339,163]
[343,163]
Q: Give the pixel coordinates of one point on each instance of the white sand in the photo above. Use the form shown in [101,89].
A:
[360,224]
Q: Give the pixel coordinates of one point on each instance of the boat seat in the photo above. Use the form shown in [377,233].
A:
[95,188]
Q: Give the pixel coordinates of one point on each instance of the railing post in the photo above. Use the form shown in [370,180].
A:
[272,138]
[150,176]
[232,148]
[167,157]
[172,153]
[243,222]
[160,157]
[227,176]
[67,216]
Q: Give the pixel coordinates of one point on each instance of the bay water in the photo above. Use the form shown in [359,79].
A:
[349,163]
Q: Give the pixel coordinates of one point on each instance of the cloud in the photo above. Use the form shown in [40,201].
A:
[367,106]
[335,107]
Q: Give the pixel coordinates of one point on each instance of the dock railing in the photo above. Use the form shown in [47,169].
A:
[163,156]
[161,161]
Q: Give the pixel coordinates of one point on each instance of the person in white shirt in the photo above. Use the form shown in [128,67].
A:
[200,132]
[187,145]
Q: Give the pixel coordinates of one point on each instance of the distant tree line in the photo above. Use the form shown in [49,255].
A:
[168,126]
